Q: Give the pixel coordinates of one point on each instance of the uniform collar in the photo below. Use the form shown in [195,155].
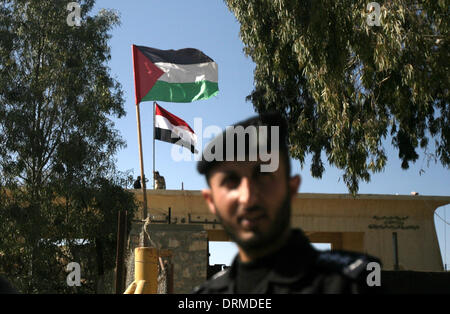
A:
[292,263]
[294,259]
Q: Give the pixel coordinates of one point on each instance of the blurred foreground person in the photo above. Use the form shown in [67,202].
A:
[247,169]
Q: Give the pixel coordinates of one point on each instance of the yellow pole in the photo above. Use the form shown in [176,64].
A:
[146,269]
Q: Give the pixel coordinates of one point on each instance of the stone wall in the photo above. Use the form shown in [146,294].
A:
[134,240]
[189,246]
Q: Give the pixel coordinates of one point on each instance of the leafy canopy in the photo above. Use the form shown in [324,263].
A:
[58,182]
[344,85]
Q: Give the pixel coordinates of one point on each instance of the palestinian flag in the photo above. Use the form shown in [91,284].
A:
[170,128]
[181,75]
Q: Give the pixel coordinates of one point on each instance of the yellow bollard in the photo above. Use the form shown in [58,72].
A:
[145,271]
[131,288]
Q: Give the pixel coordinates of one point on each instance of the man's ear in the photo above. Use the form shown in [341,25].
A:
[207,195]
[294,184]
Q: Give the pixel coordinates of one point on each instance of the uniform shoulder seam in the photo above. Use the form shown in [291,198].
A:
[349,264]
[219,274]
[216,282]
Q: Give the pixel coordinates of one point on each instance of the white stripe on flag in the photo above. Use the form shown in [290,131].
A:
[188,73]
[177,131]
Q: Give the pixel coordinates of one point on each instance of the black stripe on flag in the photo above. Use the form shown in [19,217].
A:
[182,56]
[166,136]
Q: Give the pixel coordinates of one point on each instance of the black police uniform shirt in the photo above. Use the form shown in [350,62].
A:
[296,268]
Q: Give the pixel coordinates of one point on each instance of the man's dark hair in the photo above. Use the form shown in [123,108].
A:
[264,119]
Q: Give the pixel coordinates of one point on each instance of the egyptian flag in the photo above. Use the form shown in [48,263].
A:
[170,128]
[181,75]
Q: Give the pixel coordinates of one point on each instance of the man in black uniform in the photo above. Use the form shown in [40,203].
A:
[137,183]
[254,207]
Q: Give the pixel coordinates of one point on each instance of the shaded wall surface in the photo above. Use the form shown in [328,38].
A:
[405,282]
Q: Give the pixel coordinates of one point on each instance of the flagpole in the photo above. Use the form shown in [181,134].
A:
[154,109]
[141,160]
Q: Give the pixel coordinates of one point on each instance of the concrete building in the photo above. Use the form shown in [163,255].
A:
[398,229]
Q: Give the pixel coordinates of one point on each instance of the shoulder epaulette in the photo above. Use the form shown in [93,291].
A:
[219,274]
[349,264]
[217,281]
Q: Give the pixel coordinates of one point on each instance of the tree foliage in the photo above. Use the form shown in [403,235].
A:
[344,85]
[58,183]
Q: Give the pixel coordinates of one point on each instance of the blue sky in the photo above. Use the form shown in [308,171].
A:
[209,26]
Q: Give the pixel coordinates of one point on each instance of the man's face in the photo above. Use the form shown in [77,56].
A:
[253,206]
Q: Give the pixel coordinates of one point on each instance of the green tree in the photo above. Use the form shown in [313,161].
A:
[345,86]
[57,144]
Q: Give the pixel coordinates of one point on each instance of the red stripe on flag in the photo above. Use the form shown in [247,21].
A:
[172,118]
[145,74]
